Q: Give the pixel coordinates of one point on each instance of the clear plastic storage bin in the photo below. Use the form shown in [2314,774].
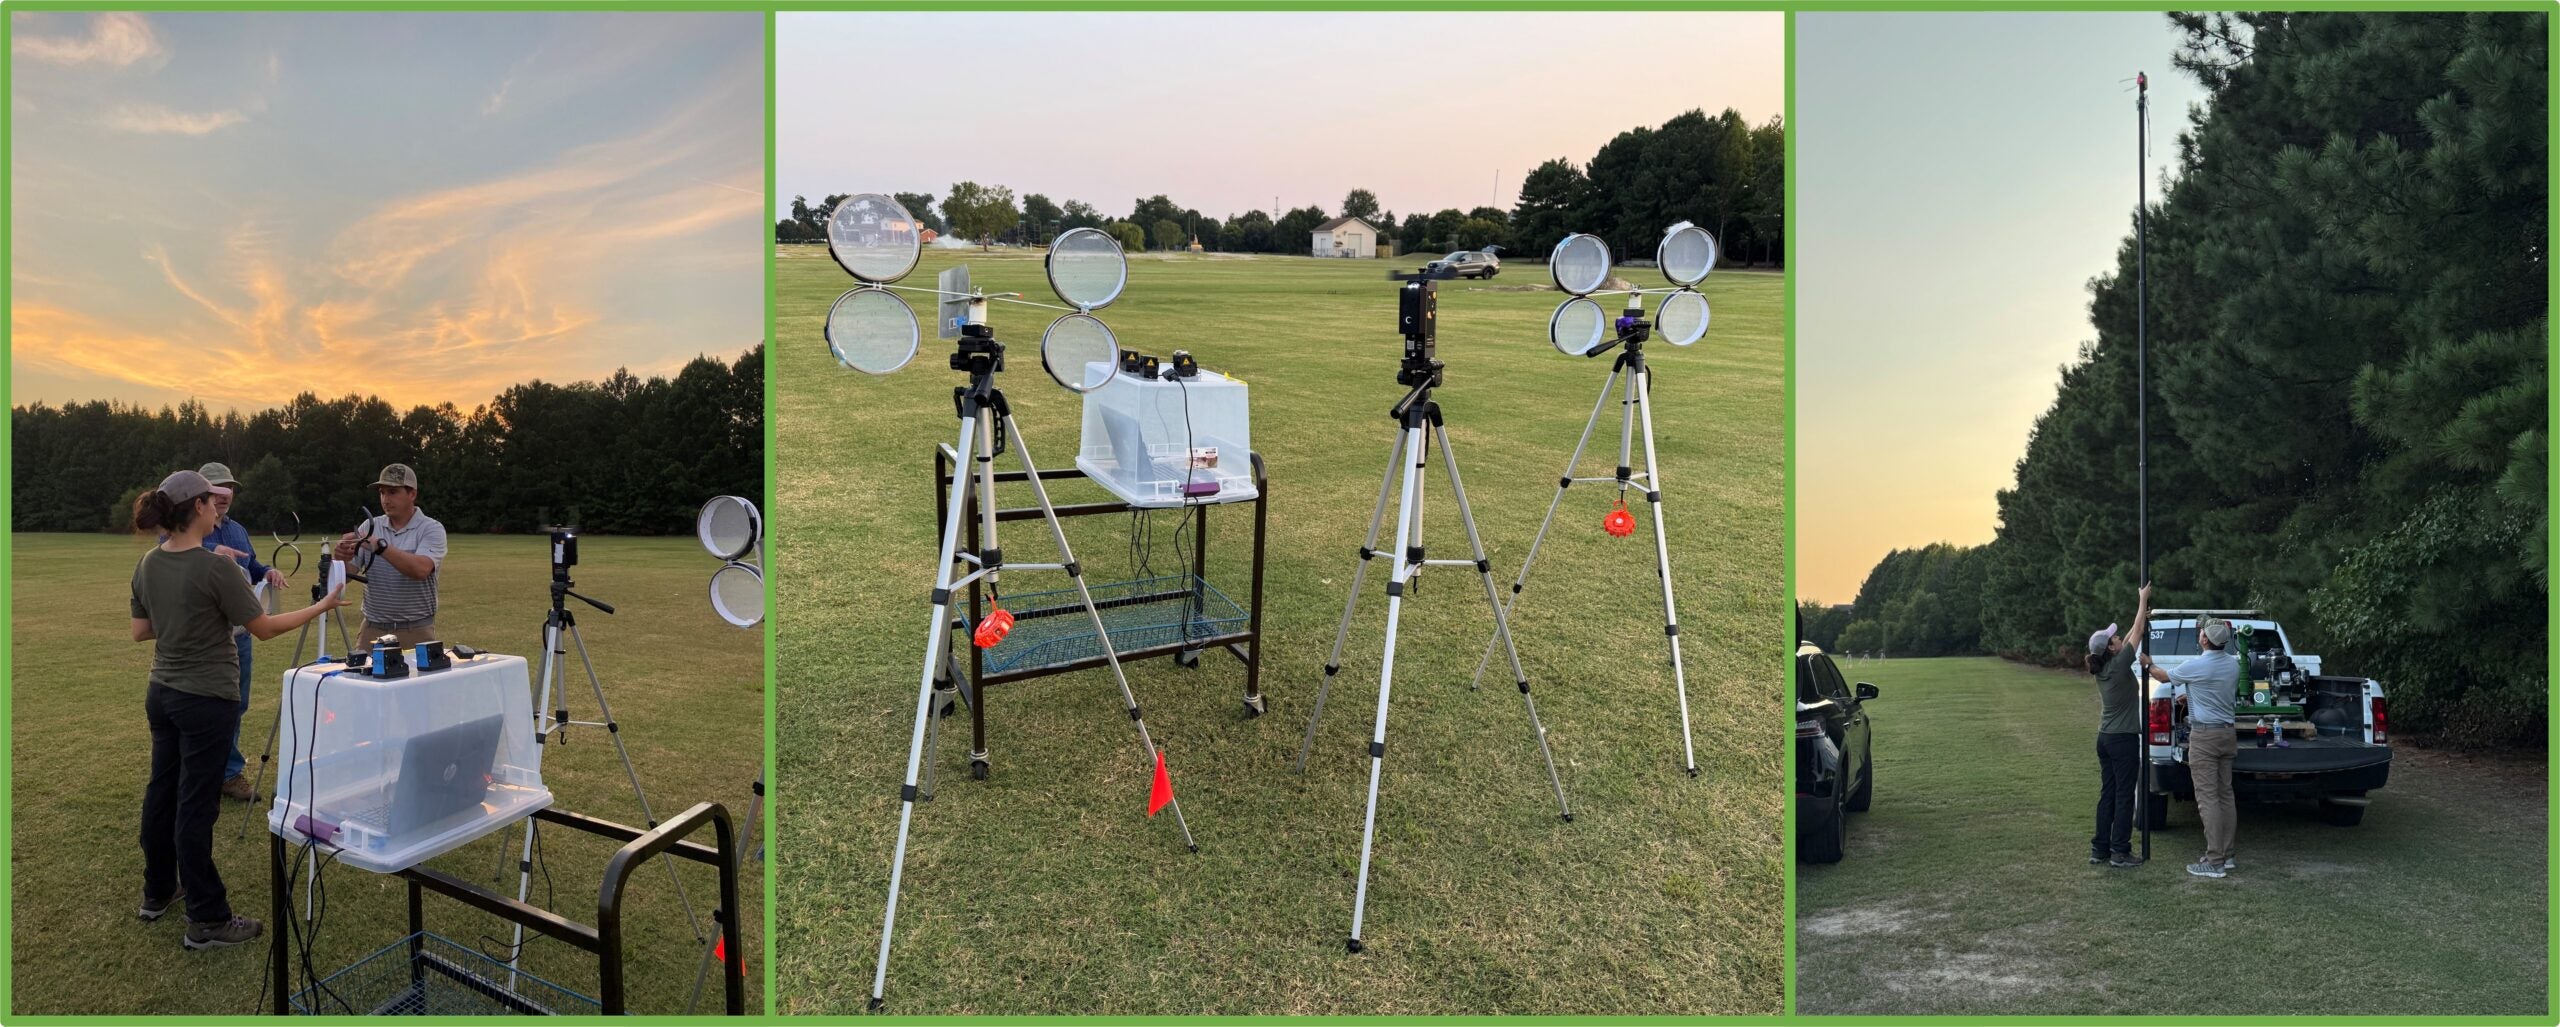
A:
[389,772]
[1144,444]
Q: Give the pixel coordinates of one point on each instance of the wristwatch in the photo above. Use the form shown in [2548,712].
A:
[380,544]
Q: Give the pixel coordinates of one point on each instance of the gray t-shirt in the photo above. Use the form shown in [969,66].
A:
[193,599]
[391,597]
[2119,696]
[2212,680]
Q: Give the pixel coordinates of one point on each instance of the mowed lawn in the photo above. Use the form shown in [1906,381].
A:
[1046,890]
[1966,889]
[686,688]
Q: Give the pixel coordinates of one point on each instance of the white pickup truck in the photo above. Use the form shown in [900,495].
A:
[2302,733]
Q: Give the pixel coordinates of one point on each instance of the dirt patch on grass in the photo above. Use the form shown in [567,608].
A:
[1865,921]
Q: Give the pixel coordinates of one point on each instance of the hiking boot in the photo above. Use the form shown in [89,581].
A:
[238,788]
[2201,868]
[153,911]
[2125,861]
[222,934]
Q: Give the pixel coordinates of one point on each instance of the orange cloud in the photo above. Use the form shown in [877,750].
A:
[116,39]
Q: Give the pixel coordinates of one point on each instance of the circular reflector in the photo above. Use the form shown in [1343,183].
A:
[1086,268]
[873,238]
[1687,254]
[1682,319]
[1080,352]
[737,594]
[1580,264]
[729,527]
[1578,325]
[871,331]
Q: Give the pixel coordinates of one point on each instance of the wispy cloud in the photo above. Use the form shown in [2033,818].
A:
[115,39]
[153,119]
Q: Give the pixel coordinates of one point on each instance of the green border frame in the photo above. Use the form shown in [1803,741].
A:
[1784,665]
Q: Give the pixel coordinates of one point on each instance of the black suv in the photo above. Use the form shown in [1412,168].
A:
[1834,775]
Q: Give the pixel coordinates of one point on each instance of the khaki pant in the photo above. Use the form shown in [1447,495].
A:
[409,637]
[2210,750]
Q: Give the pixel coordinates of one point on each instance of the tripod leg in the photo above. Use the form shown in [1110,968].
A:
[1501,623]
[613,730]
[550,671]
[1031,473]
[1662,558]
[746,853]
[274,727]
[1562,483]
[939,631]
[1359,577]
[1409,455]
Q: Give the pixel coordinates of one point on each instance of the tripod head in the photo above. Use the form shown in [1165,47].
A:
[1633,330]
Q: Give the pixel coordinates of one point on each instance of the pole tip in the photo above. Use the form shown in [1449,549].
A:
[877,1002]
[1354,946]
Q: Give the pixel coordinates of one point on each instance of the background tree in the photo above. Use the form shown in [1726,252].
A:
[1297,229]
[980,213]
[1362,204]
[1044,217]
[626,455]
[1079,214]
[918,204]
[1170,236]
[1132,238]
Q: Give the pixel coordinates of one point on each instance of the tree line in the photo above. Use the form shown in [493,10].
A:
[625,455]
[1716,170]
[2348,332]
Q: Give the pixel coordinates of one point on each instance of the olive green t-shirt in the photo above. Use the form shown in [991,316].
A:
[2120,694]
[193,599]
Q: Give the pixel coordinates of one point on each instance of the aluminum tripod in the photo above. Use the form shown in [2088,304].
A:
[983,415]
[552,724]
[1634,382]
[1419,418]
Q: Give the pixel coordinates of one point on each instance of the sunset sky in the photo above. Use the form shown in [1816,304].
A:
[1223,111]
[238,207]
[1959,180]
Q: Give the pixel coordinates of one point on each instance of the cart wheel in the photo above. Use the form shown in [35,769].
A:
[1253,707]
[1187,660]
[978,769]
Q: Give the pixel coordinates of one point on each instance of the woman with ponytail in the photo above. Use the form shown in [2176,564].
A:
[186,600]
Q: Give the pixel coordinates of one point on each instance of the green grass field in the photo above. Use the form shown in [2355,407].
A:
[1966,890]
[686,688]
[1045,889]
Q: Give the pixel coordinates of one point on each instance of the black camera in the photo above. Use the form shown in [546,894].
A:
[564,550]
[1418,320]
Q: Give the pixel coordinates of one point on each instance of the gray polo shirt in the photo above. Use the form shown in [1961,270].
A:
[2212,679]
[390,597]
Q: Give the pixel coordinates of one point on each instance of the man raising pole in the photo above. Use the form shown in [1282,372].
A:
[398,552]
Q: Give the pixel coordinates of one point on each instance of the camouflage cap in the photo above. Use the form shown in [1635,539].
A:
[218,473]
[398,476]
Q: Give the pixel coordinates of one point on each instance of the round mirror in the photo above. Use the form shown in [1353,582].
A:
[737,594]
[1687,254]
[873,238]
[1682,319]
[1578,325]
[1080,352]
[728,526]
[871,331]
[1580,264]
[1086,268]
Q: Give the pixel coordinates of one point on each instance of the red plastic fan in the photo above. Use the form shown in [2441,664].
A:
[993,629]
[1619,523]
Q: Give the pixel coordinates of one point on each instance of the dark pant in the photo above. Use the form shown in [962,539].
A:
[190,734]
[2118,776]
[232,766]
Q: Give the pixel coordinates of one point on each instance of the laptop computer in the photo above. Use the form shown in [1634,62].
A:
[443,777]
[1129,450]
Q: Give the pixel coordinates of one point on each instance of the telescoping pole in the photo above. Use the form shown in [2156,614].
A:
[2142,395]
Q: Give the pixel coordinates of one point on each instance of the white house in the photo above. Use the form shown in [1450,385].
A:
[1346,237]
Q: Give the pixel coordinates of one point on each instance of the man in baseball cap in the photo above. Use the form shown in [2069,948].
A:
[398,552]
[2111,659]
[229,538]
[2213,739]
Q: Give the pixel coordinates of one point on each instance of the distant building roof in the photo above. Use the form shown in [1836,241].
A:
[1339,222]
